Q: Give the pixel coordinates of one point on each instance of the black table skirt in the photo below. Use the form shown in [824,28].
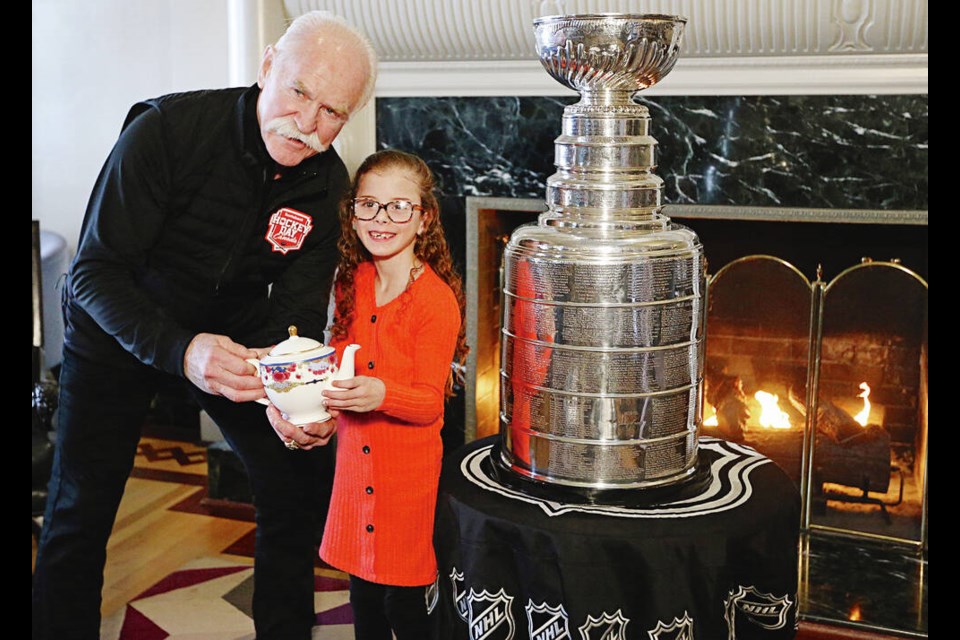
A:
[715,563]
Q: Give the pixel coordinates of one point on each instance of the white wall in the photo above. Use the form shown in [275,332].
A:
[92,60]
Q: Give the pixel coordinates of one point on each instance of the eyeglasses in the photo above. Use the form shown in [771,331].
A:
[399,211]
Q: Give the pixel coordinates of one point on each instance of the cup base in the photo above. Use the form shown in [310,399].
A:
[307,418]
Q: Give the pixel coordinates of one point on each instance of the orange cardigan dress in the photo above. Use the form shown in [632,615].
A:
[380,523]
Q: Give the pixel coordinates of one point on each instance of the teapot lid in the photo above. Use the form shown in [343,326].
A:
[294,344]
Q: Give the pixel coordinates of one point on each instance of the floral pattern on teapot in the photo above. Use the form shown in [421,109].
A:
[284,376]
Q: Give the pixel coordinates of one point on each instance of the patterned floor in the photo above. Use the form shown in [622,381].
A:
[209,599]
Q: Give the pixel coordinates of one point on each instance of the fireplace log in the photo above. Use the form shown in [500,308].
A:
[861,460]
[850,454]
[732,414]
[846,452]
[725,393]
[783,446]
[837,424]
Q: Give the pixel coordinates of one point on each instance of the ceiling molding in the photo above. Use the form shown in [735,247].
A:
[742,47]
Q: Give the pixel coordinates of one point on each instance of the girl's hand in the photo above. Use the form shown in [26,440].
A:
[360,394]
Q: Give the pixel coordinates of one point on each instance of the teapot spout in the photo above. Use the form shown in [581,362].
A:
[346,364]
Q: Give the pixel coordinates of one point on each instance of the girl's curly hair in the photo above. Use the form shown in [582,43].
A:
[430,247]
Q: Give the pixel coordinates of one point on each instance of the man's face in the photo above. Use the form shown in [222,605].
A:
[308,92]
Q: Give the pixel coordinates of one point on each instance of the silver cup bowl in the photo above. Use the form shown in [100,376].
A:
[605,51]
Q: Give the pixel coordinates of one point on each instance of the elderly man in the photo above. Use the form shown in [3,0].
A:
[211,228]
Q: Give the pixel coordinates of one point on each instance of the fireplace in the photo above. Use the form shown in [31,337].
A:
[827,378]
[816,352]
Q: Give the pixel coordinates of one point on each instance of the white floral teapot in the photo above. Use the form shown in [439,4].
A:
[297,371]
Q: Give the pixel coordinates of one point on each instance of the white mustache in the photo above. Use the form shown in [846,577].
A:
[287,127]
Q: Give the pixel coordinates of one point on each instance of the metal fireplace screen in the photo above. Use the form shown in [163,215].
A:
[829,381]
[758,355]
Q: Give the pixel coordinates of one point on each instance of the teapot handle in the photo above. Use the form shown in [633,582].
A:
[256,363]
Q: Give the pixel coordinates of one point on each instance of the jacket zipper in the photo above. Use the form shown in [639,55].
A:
[241,236]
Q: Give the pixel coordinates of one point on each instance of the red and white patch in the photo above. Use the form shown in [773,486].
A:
[287,229]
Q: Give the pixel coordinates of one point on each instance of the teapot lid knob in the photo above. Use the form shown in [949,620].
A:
[292,330]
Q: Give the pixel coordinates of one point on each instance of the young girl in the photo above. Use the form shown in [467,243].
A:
[398,297]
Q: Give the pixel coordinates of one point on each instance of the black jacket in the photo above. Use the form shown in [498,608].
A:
[182,235]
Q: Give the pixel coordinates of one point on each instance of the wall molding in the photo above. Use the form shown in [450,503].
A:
[786,75]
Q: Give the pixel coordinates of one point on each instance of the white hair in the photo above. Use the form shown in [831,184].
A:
[313,22]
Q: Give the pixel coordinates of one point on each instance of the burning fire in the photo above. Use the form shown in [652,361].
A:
[711,419]
[854,614]
[864,415]
[771,415]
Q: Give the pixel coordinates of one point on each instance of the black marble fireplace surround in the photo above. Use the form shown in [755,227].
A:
[801,152]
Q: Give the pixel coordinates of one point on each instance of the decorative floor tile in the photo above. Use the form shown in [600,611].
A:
[210,599]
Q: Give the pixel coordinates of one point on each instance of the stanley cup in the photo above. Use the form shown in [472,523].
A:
[603,297]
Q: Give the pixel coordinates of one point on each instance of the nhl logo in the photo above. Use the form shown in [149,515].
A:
[679,629]
[489,615]
[606,627]
[287,230]
[547,623]
[432,594]
[459,595]
[762,609]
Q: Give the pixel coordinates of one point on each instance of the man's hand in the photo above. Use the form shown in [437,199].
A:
[216,364]
[361,394]
[307,436]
